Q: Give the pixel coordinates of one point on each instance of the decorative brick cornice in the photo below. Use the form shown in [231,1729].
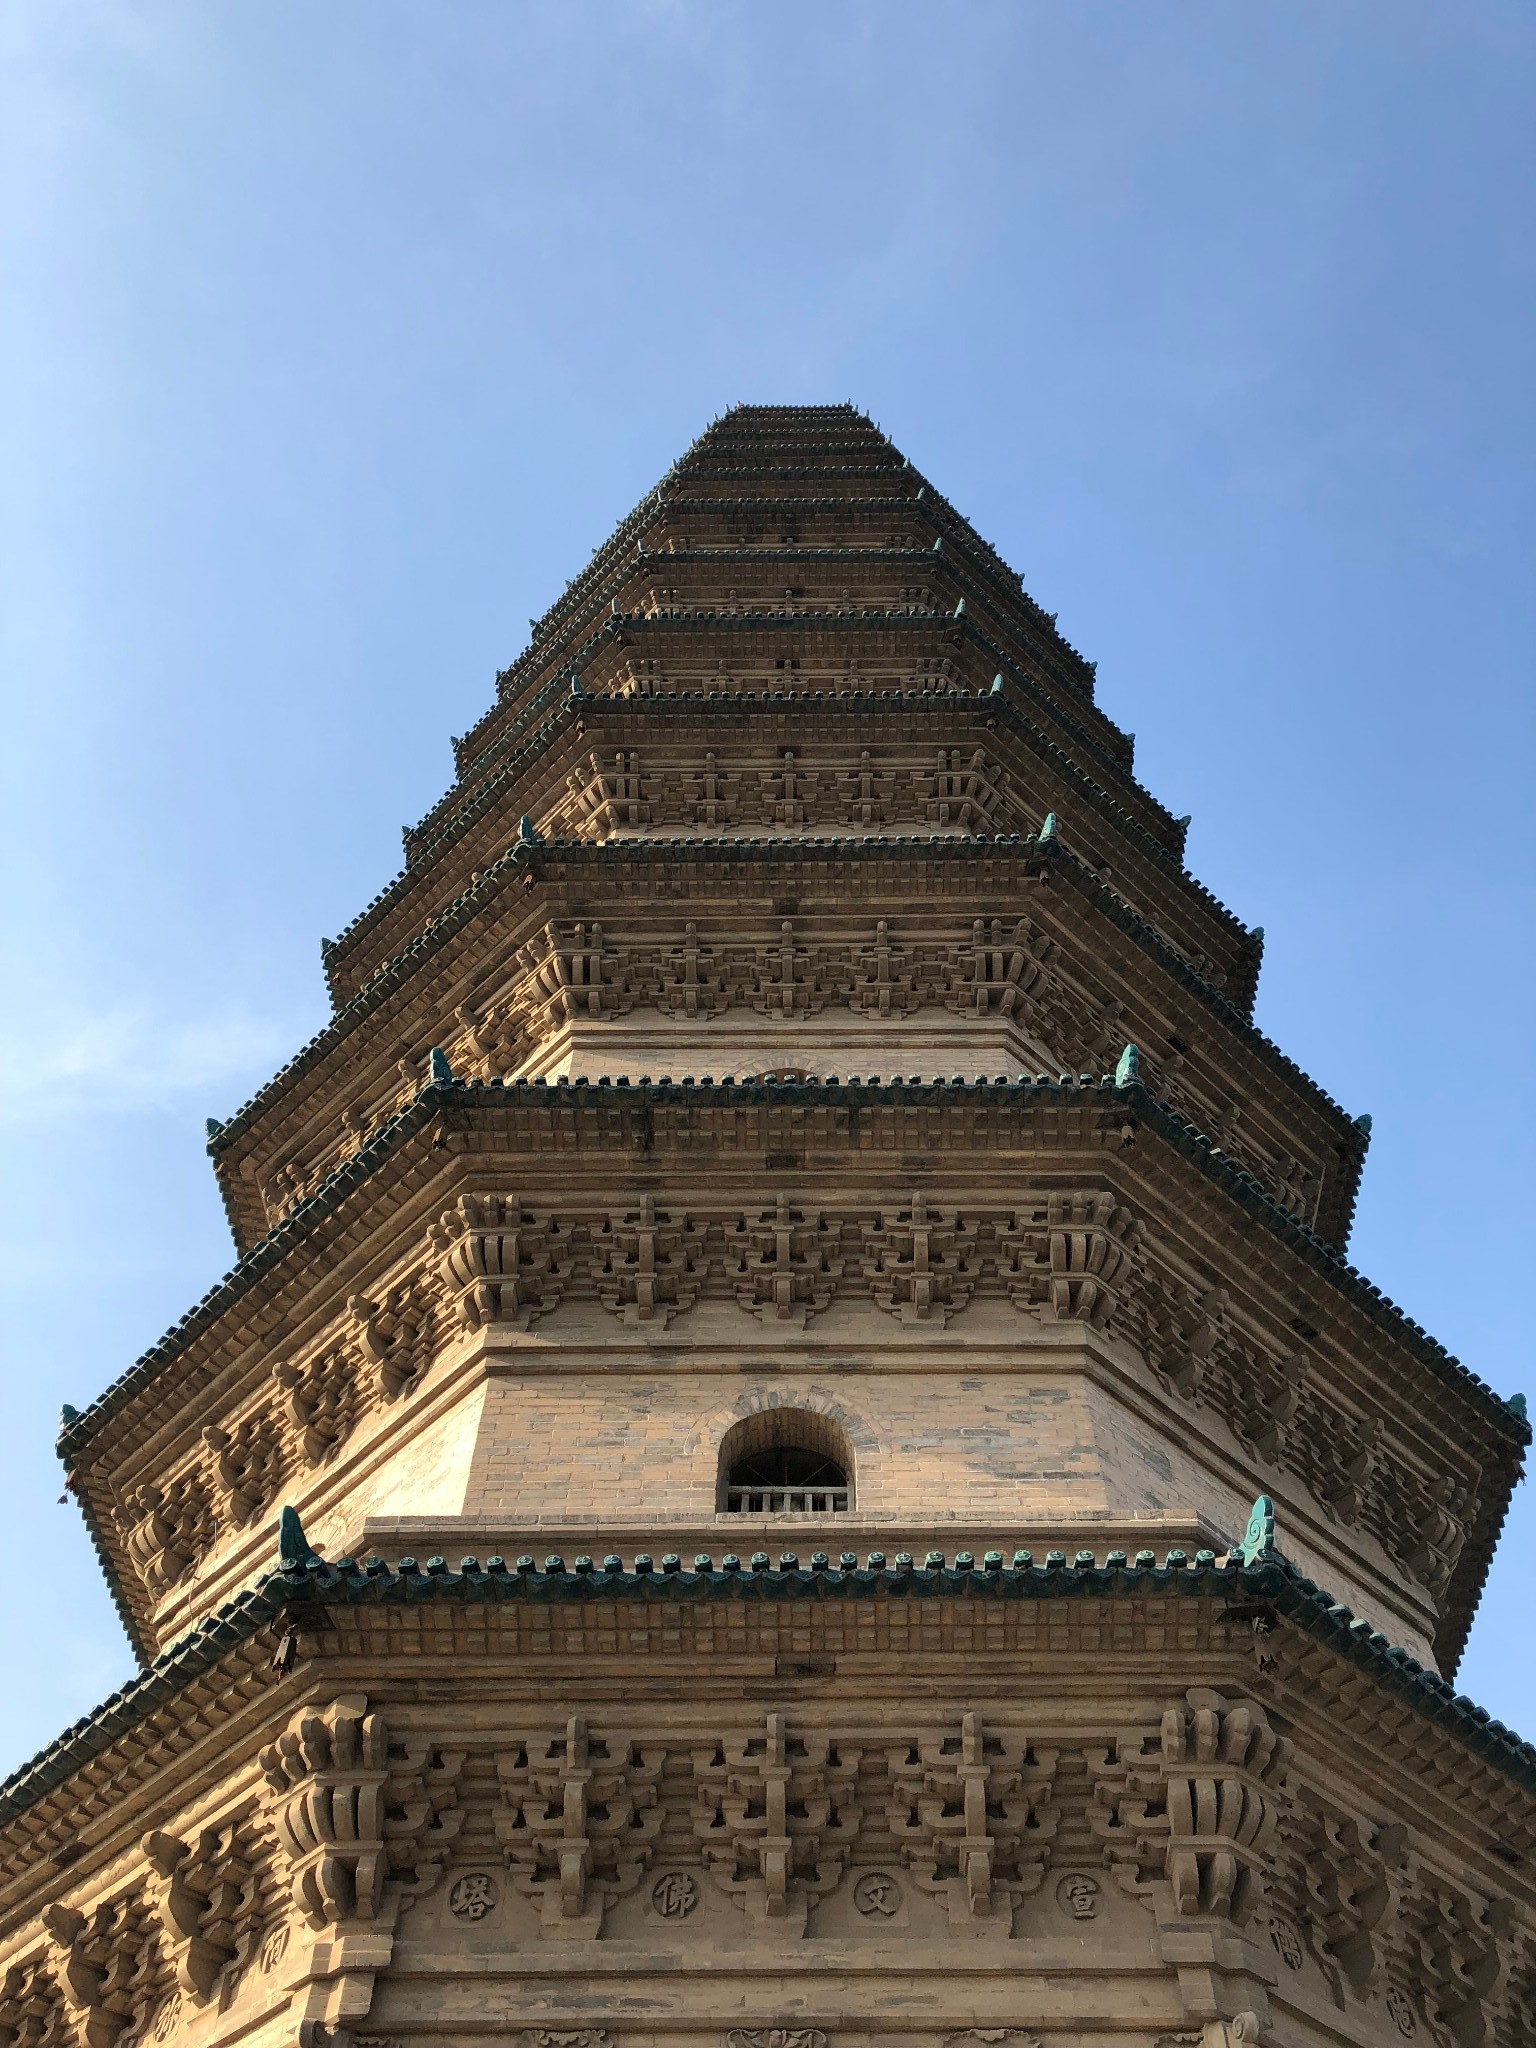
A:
[322,1597]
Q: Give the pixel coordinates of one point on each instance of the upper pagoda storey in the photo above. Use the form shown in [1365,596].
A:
[795,640]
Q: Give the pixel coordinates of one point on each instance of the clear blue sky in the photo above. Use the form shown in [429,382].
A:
[335,337]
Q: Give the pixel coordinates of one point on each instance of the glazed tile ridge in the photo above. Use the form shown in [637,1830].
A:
[307,1589]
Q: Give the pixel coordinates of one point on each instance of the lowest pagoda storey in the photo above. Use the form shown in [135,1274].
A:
[717,1507]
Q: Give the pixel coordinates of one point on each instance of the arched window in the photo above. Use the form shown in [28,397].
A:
[785,1461]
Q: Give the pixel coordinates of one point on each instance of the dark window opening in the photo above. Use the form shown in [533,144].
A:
[785,1461]
[787,1465]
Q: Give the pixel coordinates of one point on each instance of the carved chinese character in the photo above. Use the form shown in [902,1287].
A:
[877,1895]
[473,1895]
[675,1895]
[1286,1937]
[1400,2011]
[1078,1895]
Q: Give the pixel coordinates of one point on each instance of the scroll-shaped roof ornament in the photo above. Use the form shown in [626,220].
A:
[1258,1544]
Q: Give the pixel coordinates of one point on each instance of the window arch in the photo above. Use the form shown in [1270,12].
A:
[785,1461]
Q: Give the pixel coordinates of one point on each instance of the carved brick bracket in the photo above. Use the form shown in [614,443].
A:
[351,1812]
[213,1901]
[166,1529]
[787,977]
[503,1265]
[785,1266]
[1460,1961]
[577,1822]
[973,1814]
[885,978]
[776,1816]
[647,1267]
[1000,972]
[110,1968]
[1070,1258]
[1267,1421]
[400,1330]
[1196,1805]
[922,1266]
[247,1463]
[33,2013]
[1355,1876]
[692,981]
[324,1400]
[1181,1326]
[328,1771]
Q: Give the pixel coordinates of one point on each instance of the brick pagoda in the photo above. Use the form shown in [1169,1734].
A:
[792,1457]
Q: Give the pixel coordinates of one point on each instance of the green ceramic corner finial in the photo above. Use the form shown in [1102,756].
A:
[1363,1124]
[69,1414]
[526,835]
[1128,1067]
[960,609]
[576,687]
[1515,1404]
[997,686]
[439,1073]
[212,1127]
[293,1546]
[1048,829]
[1259,1537]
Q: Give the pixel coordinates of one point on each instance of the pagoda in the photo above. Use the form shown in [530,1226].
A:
[792,1457]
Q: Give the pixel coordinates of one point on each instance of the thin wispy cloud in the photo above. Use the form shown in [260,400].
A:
[126,1059]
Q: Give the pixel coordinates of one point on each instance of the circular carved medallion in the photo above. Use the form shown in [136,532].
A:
[877,1895]
[1078,1894]
[473,1896]
[675,1895]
